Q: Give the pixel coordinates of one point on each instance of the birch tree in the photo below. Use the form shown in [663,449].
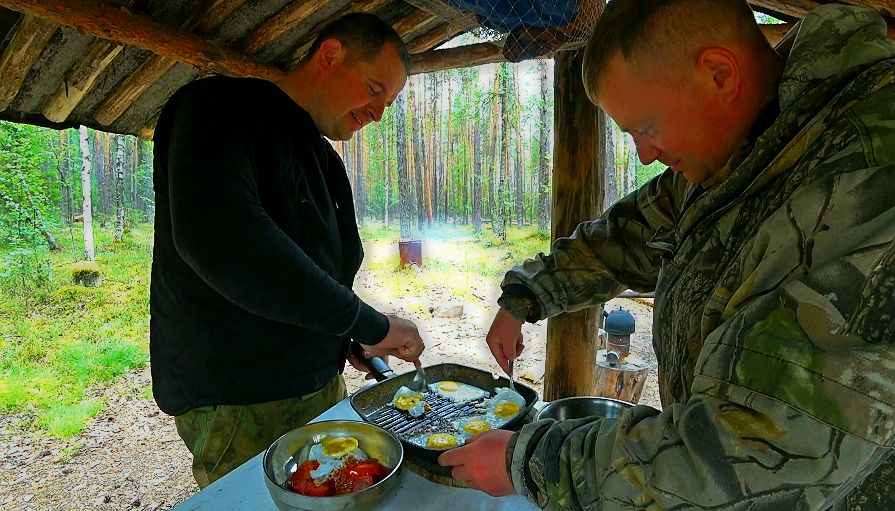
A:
[89,253]
[119,189]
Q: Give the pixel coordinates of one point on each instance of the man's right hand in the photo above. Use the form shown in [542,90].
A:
[402,340]
[505,338]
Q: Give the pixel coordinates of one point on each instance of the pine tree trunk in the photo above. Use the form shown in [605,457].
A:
[492,154]
[65,193]
[418,159]
[612,178]
[401,157]
[87,208]
[119,189]
[360,189]
[543,175]
[503,192]
[386,135]
[477,173]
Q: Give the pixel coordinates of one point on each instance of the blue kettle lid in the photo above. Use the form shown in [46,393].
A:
[619,322]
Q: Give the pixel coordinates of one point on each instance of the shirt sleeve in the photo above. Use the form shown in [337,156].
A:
[792,399]
[223,232]
[603,257]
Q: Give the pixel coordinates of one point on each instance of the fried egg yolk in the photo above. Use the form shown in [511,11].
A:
[476,426]
[506,409]
[338,447]
[407,402]
[441,441]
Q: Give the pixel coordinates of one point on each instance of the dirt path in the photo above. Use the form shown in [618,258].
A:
[132,458]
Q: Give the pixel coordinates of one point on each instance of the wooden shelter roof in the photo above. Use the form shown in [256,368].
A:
[112,64]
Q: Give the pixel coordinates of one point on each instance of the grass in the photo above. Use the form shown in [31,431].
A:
[60,342]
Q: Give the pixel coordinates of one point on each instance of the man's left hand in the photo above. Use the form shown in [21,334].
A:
[482,462]
[360,366]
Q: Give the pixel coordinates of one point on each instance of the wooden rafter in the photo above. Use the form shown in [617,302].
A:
[307,39]
[434,38]
[151,71]
[453,58]
[408,24]
[104,19]
[799,8]
[448,13]
[80,78]
[20,55]
[283,21]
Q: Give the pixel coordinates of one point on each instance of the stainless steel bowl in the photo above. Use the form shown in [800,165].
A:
[582,406]
[290,450]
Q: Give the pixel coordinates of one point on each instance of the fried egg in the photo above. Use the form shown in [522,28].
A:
[410,402]
[331,453]
[504,406]
[457,392]
[472,425]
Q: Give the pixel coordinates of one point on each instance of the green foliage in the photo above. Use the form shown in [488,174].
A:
[57,344]
[24,271]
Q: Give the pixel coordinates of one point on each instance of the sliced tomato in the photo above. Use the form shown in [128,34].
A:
[302,482]
[368,468]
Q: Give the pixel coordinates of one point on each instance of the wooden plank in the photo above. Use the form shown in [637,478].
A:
[305,43]
[447,13]
[453,58]
[577,196]
[20,55]
[799,8]
[285,20]
[132,88]
[408,24]
[148,131]
[80,79]
[104,19]
[775,32]
[151,71]
[434,38]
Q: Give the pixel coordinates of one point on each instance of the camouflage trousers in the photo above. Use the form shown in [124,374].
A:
[223,437]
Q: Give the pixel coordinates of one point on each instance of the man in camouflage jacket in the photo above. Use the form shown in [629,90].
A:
[775,303]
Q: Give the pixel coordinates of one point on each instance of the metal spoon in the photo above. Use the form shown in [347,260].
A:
[510,363]
[419,382]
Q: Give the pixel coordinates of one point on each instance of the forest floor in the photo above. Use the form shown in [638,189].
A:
[131,458]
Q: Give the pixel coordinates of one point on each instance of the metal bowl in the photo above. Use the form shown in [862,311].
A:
[583,406]
[284,456]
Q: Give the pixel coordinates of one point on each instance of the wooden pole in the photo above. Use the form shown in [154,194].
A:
[104,19]
[577,196]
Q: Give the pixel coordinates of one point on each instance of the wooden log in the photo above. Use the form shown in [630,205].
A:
[308,39]
[577,196]
[453,58]
[434,38]
[283,21]
[104,19]
[20,55]
[408,24]
[447,12]
[132,88]
[622,380]
[799,8]
[80,79]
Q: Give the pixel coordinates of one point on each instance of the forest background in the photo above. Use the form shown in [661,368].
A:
[463,155]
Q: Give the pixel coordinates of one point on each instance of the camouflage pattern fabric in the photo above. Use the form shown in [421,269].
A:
[774,312]
[224,437]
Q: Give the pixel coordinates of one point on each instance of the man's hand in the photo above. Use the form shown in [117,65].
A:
[505,338]
[360,366]
[482,462]
[402,340]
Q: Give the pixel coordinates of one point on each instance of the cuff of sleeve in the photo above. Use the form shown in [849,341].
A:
[370,326]
[523,446]
[521,302]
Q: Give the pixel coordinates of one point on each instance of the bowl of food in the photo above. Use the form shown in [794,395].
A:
[332,465]
[583,406]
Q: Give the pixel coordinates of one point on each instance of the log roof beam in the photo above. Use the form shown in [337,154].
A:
[20,55]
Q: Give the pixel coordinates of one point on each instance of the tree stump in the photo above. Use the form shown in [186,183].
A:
[86,273]
[622,379]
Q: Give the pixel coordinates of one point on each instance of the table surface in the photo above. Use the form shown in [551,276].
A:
[243,489]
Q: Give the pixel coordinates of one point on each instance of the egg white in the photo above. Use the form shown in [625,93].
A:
[457,392]
[330,463]
[503,395]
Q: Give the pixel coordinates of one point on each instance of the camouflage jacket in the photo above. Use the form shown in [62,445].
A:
[774,314]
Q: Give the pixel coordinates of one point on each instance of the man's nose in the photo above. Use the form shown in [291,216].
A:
[376,111]
[647,152]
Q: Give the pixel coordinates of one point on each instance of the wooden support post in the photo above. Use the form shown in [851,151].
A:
[577,196]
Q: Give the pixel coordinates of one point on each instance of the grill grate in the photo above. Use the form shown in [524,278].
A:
[437,419]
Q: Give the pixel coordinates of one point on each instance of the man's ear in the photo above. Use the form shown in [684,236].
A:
[329,53]
[719,70]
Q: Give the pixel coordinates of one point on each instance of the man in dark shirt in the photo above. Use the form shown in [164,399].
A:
[256,246]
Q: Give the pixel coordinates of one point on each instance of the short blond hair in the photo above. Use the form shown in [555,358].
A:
[665,35]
